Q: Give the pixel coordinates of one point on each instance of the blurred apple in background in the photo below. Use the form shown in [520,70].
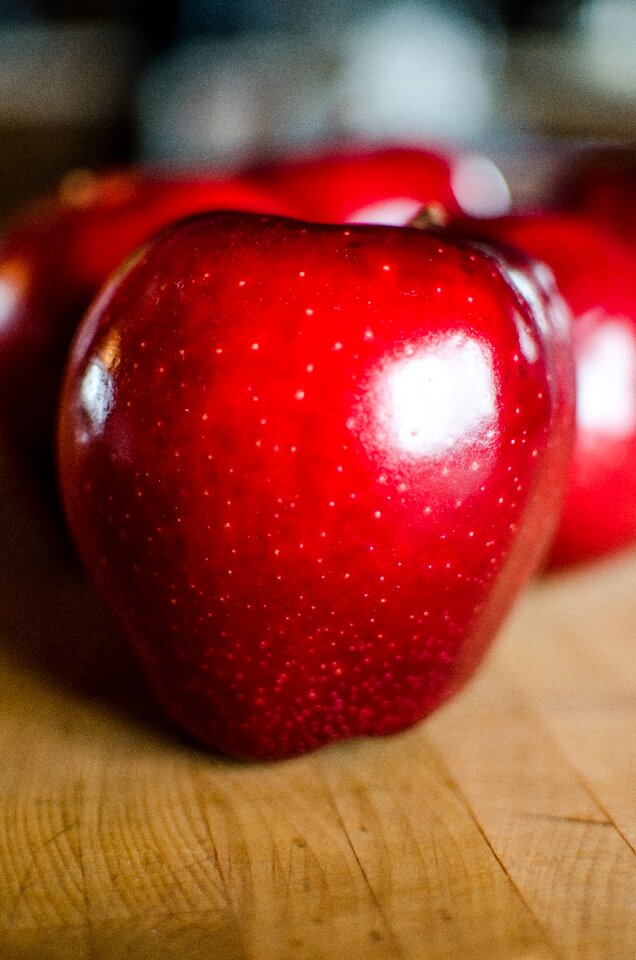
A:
[600,182]
[385,185]
[596,274]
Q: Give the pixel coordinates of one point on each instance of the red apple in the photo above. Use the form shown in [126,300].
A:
[385,185]
[596,274]
[53,259]
[309,467]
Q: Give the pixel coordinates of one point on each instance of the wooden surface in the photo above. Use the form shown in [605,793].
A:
[502,827]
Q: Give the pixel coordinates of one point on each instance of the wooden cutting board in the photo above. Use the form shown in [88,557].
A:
[502,827]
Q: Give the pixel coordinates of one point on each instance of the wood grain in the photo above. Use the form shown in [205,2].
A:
[502,827]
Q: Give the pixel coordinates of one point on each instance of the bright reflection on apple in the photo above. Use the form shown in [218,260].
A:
[97,390]
[606,380]
[14,277]
[480,187]
[394,211]
[8,298]
[439,397]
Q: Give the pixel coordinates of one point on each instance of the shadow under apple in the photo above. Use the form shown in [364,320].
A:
[51,621]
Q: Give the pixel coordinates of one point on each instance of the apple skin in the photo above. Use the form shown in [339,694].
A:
[595,272]
[56,254]
[384,185]
[310,467]
[601,184]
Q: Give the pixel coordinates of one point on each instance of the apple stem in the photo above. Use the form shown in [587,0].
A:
[431,215]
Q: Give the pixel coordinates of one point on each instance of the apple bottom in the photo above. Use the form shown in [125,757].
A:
[340,705]
[329,664]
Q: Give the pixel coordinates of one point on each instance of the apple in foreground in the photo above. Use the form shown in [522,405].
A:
[309,468]
[385,185]
[55,255]
[595,272]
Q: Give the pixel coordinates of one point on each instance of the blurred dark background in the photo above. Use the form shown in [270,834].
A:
[102,82]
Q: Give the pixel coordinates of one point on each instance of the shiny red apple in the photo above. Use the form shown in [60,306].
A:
[309,467]
[53,259]
[385,185]
[596,274]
